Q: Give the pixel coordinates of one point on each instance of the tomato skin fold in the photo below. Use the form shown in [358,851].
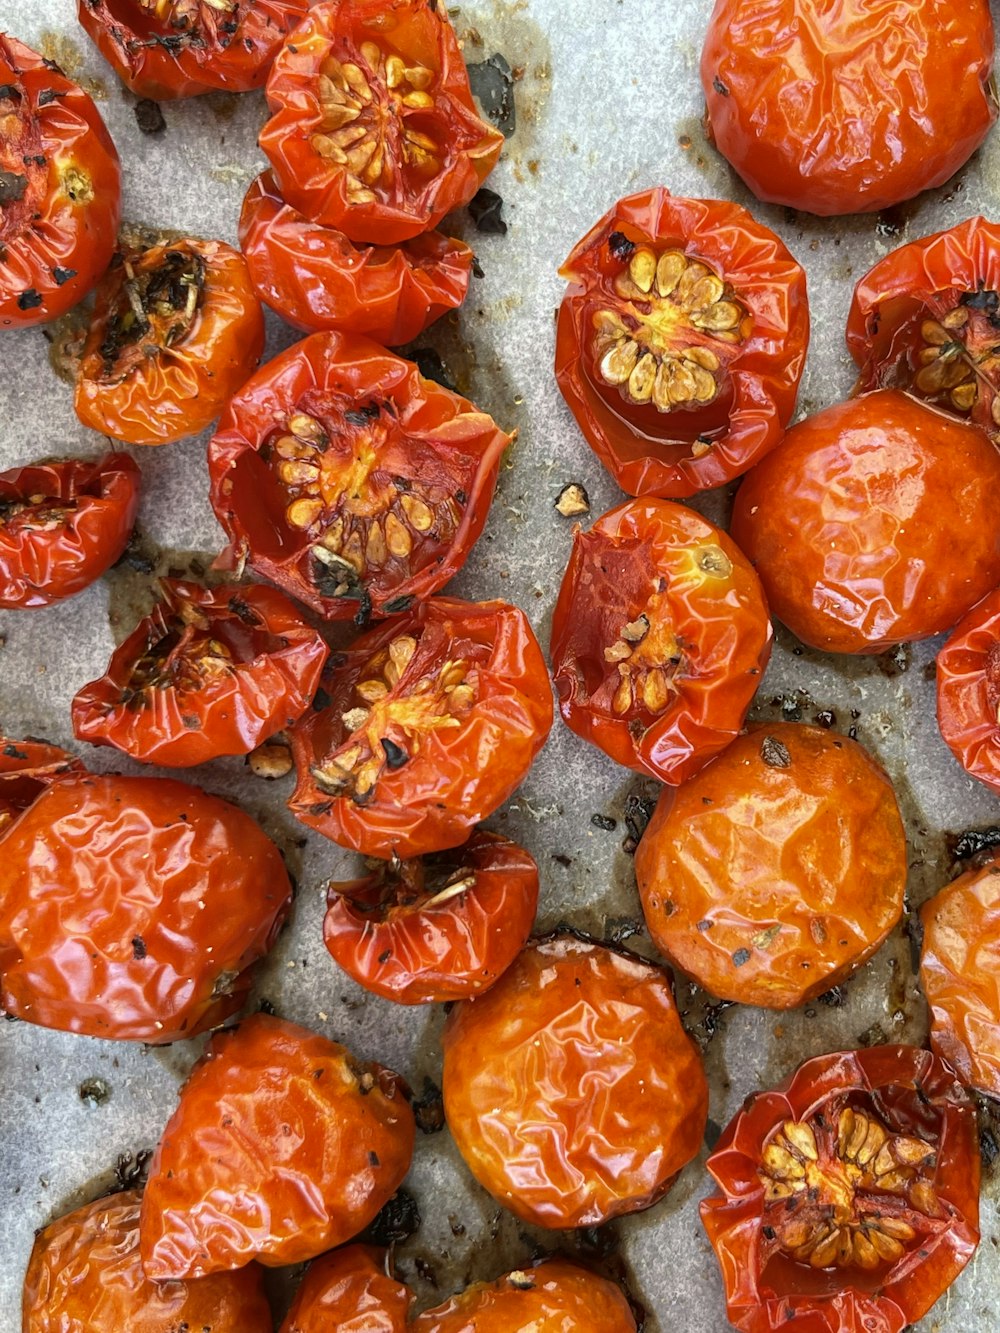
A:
[351,1289]
[968,692]
[26,769]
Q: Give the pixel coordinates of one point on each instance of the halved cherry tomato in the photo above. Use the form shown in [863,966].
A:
[60,189]
[62,524]
[432,722]
[659,639]
[968,692]
[26,769]
[282,1145]
[843,522]
[342,475]
[373,128]
[848,1196]
[571,1088]
[352,1291]
[681,341]
[176,330]
[848,107]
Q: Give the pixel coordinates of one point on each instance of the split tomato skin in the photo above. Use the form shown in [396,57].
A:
[968,692]
[26,769]
[350,1290]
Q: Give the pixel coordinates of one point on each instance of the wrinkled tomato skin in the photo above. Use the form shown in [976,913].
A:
[57,557]
[850,107]
[650,453]
[85,1276]
[231,1182]
[843,523]
[58,234]
[968,692]
[350,1291]
[134,908]
[570,1088]
[26,769]
[912,1092]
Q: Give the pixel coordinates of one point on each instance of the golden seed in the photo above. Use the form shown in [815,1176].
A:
[642,378]
[461,697]
[964,396]
[350,134]
[371,55]
[296,472]
[289,447]
[306,428]
[272,760]
[304,513]
[957,318]
[336,117]
[572,501]
[367,776]
[619,361]
[780,1162]
[622,701]
[924,1197]
[419,76]
[333,538]
[885,1247]
[928,354]
[669,268]
[418,100]
[330,91]
[655,690]
[375,551]
[399,540]
[355,718]
[845,1131]
[358,193]
[692,275]
[682,383]
[333,69]
[377,167]
[865,1253]
[642,268]
[706,292]
[874,1139]
[618,652]
[452,674]
[934,333]
[608,324]
[421,140]
[395,71]
[636,630]
[911,1152]
[700,448]
[420,516]
[361,154]
[661,387]
[356,81]
[401,650]
[391,673]
[371,691]
[348,758]
[701,356]
[801,1137]
[826,1251]
[896,1227]
[325,146]
[352,551]
[723,315]
[705,387]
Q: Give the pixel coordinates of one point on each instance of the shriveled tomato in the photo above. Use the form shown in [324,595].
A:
[571,1088]
[60,189]
[848,107]
[62,524]
[373,128]
[345,477]
[843,522]
[432,722]
[848,1197]
[659,639]
[134,908]
[283,1145]
[681,341]
[176,330]
[968,692]
[26,769]
[778,869]
[351,1290]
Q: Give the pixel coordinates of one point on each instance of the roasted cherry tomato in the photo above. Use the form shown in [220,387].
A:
[349,480]
[62,524]
[681,341]
[660,638]
[968,692]
[283,1145]
[26,769]
[176,330]
[571,1088]
[134,908]
[85,1276]
[374,130]
[213,671]
[843,522]
[848,1196]
[848,107]
[778,869]
[352,1291]
[60,189]
[433,721]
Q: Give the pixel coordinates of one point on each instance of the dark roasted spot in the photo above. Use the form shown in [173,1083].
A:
[395,755]
[397,1220]
[620,246]
[432,367]
[492,82]
[428,1109]
[740,957]
[775,753]
[604,822]
[720,87]
[149,117]
[138,947]
[29,300]
[12,187]
[486,209]
[62,275]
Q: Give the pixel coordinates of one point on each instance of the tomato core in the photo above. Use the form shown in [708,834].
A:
[153,309]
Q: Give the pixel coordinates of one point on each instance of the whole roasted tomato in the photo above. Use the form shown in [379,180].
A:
[62,524]
[848,1196]
[342,475]
[550,1297]
[659,639]
[176,330]
[134,908]
[776,871]
[352,1291]
[85,1274]
[282,1145]
[571,1088]
[26,769]
[968,692]
[60,189]
[373,128]
[843,522]
[433,720]
[848,107]
[681,341]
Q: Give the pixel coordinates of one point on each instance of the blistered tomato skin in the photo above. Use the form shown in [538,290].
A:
[968,692]
[350,1290]
[283,1145]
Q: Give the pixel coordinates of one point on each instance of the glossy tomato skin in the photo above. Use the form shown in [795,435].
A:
[26,769]
[62,189]
[461,706]
[571,1088]
[282,1145]
[429,149]
[350,1290]
[664,699]
[968,692]
[378,498]
[843,523]
[852,107]
[906,1092]
[654,446]
[134,908]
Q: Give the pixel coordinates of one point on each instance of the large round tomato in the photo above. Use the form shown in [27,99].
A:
[550,1297]
[681,341]
[968,692]
[351,1290]
[26,769]
[848,107]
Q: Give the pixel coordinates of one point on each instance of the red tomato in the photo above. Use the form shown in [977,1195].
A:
[60,189]
[848,1197]
[844,523]
[62,524]
[176,330]
[373,128]
[282,1145]
[433,720]
[350,1290]
[681,341]
[968,692]
[660,638]
[349,480]
[848,107]
[134,908]
[26,769]
[571,1088]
